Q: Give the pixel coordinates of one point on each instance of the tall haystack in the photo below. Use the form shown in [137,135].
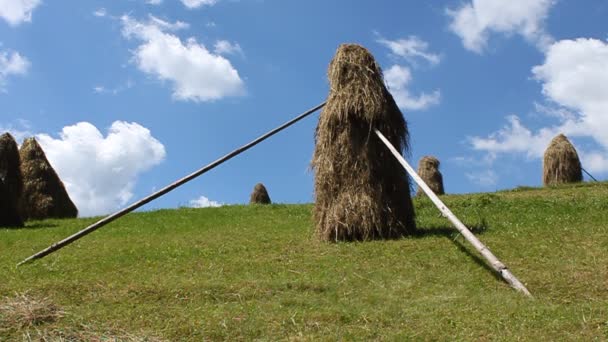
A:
[11,186]
[259,195]
[561,163]
[428,170]
[361,192]
[44,195]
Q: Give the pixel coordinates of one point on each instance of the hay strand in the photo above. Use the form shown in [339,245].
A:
[561,163]
[11,182]
[360,193]
[44,195]
[428,170]
[259,195]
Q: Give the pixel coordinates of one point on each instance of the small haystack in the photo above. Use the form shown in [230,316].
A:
[11,182]
[361,192]
[561,163]
[44,195]
[428,170]
[259,195]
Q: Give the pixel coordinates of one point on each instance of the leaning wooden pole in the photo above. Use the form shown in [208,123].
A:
[58,245]
[498,266]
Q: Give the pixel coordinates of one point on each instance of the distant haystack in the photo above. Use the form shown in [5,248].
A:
[428,170]
[361,192]
[44,195]
[11,182]
[259,195]
[561,163]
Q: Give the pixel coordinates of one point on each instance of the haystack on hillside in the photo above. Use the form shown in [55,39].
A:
[428,170]
[561,163]
[44,195]
[361,192]
[259,195]
[11,182]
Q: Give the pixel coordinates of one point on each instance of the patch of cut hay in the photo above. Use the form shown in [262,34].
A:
[11,182]
[37,319]
[361,192]
[44,195]
[561,163]
[24,311]
[259,195]
[428,170]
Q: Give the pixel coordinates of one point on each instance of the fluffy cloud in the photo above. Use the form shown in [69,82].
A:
[474,21]
[410,49]
[100,172]
[154,2]
[224,47]
[397,79]
[17,11]
[11,63]
[198,3]
[204,202]
[196,74]
[573,77]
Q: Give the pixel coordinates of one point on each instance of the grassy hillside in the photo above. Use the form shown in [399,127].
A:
[255,272]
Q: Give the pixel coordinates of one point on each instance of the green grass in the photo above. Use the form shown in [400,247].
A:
[258,272]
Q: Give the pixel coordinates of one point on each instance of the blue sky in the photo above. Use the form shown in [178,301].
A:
[127,96]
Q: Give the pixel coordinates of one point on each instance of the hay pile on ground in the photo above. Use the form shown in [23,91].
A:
[44,195]
[259,195]
[561,163]
[361,192]
[11,182]
[428,170]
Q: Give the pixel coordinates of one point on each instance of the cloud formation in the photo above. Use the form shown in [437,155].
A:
[192,4]
[195,73]
[477,19]
[16,12]
[573,78]
[100,172]
[397,79]
[204,202]
[410,48]
[11,63]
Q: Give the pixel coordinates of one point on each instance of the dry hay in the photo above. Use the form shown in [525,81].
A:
[38,319]
[11,182]
[44,195]
[561,163]
[428,170]
[259,195]
[24,311]
[361,192]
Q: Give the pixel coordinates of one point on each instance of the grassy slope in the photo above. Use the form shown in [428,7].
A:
[242,272]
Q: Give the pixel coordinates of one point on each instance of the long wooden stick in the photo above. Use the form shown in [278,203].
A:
[588,174]
[498,266]
[56,246]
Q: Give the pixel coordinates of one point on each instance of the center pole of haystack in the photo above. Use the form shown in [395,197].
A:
[360,191]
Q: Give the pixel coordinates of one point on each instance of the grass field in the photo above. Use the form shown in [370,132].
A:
[258,272]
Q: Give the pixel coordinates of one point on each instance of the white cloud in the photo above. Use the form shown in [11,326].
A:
[16,12]
[476,20]
[100,12]
[484,178]
[204,202]
[11,63]
[154,2]
[410,49]
[100,172]
[574,77]
[195,73]
[397,79]
[191,4]
[224,47]
[20,130]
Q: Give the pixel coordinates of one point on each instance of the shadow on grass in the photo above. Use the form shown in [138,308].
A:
[38,225]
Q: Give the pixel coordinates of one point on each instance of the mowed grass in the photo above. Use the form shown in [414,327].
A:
[258,272]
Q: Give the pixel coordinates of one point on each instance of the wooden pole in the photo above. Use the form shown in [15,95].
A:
[56,246]
[588,174]
[498,266]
